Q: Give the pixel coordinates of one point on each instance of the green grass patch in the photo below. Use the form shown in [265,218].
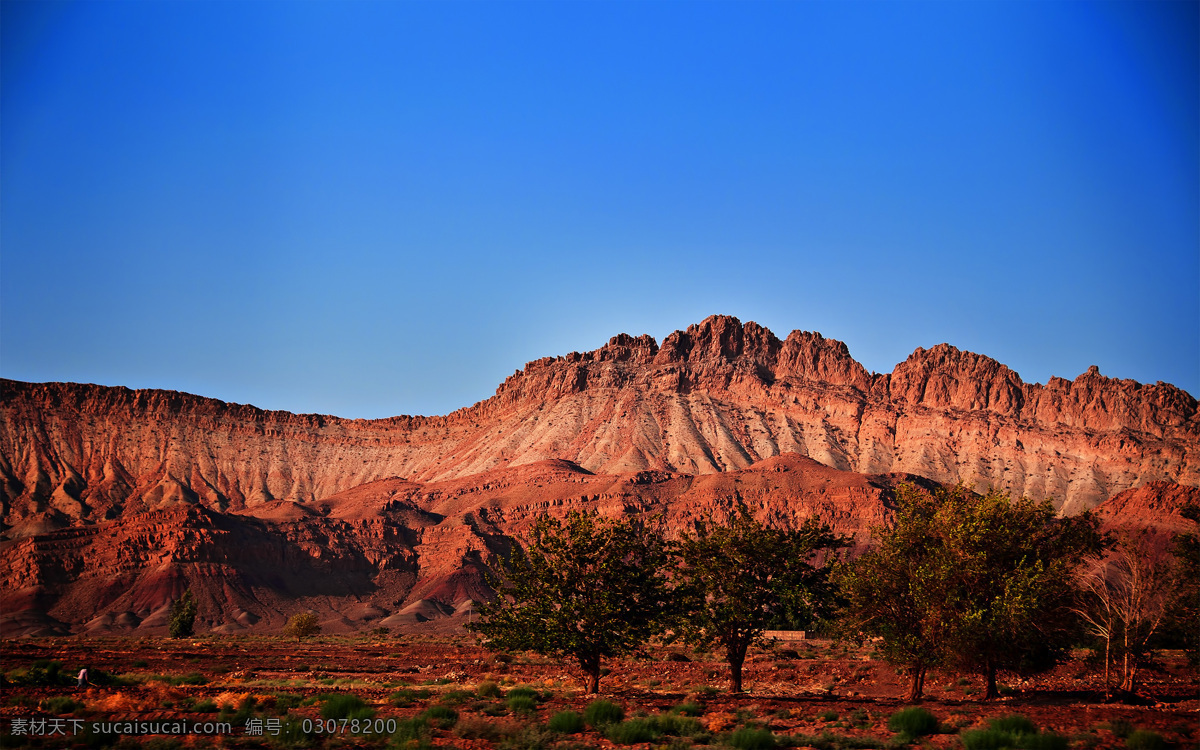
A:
[441,717]
[912,722]
[749,738]
[1143,739]
[405,698]
[633,732]
[601,713]
[691,708]
[566,722]
[344,706]
[62,704]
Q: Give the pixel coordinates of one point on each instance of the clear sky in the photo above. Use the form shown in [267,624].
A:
[379,208]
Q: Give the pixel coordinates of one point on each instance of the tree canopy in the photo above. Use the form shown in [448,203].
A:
[302,625]
[979,583]
[738,578]
[586,588]
[181,617]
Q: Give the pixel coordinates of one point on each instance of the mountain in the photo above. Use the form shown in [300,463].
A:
[719,396]
[389,553]
[114,501]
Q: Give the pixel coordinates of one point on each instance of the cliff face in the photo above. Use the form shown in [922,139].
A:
[391,553]
[717,397]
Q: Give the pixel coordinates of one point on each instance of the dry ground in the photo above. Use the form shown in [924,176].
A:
[813,693]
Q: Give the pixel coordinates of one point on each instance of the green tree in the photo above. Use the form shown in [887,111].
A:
[181,617]
[302,625]
[736,579]
[1011,567]
[586,589]
[894,592]
[1185,610]
[978,583]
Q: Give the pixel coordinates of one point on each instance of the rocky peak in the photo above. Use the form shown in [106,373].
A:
[947,377]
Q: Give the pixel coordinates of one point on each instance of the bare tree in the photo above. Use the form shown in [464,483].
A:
[1124,598]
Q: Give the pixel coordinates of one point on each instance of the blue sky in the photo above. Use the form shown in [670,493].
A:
[374,208]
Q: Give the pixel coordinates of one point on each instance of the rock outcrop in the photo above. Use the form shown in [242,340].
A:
[390,553]
[717,397]
[115,501]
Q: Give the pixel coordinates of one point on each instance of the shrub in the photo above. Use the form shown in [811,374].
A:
[191,678]
[292,734]
[675,725]
[405,698]
[1143,739]
[410,734]
[61,704]
[830,715]
[601,713]
[182,616]
[566,722]
[1043,741]
[523,692]
[986,739]
[442,717]
[691,708]
[46,672]
[488,689]
[1120,727]
[206,706]
[1013,724]
[345,706]
[302,625]
[529,737]
[457,697]
[521,704]
[482,729]
[632,732]
[749,738]
[913,722]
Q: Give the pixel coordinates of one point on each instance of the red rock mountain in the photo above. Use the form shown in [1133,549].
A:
[115,500]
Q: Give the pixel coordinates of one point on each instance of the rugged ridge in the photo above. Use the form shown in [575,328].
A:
[717,397]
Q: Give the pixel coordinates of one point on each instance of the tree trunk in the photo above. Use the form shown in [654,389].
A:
[990,672]
[1107,667]
[735,654]
[916,688]
[1129,684]
[590,664]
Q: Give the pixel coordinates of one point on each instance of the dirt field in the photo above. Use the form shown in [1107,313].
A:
[807,694]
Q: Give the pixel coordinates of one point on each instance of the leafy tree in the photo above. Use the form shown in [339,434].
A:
[302,625]
[1185,609]
[978,583]
[1011,574]
[181,617]
[736,579]
[586,589]
[894,591]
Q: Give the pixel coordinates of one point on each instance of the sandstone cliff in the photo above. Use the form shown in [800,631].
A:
[392,553]
[717,397]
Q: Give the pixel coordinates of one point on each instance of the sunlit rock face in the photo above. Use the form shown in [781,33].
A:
[115,500]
